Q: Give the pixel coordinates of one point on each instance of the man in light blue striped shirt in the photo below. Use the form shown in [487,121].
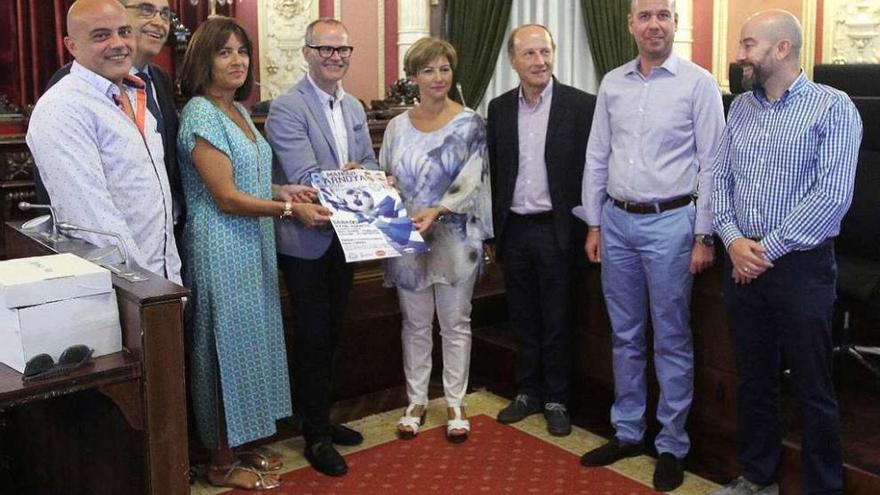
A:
[783,181]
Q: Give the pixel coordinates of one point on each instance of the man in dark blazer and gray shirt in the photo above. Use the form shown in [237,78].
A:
[537,137]
[150,22]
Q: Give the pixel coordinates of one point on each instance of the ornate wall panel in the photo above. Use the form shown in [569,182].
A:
[282,28]
[851,31]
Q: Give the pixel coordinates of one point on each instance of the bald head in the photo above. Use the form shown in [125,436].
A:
[776,25]
[634,5]
[99,36]
[82,11]
[769,46]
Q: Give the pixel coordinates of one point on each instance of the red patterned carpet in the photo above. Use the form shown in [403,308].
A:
[496,459]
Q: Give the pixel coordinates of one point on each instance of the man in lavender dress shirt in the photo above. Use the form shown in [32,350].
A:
[98,150]
[657,124]
[537,135]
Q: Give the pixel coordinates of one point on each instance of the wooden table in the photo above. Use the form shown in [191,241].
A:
[117,426]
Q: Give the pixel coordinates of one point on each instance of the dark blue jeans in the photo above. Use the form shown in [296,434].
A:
[537,276]
[787,311]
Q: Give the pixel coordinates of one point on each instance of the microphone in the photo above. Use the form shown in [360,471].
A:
[129,273]
[122,247]
[25,206]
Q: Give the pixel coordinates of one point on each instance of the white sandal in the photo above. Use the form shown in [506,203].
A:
[411,422]
[457,423]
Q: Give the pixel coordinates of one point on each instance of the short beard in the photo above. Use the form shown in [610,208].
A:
[752,83]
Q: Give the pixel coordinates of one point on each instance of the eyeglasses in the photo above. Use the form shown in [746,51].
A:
[326,51]
[148,11]
[42,366]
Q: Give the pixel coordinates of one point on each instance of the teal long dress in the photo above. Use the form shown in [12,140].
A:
[236,340]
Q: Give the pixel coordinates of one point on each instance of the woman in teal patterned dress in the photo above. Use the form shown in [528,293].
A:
[238,373]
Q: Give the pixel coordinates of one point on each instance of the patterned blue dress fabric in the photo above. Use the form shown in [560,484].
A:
[236,340]
[445,167]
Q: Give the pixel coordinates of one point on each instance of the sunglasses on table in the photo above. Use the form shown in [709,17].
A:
[42,366]
[148,11]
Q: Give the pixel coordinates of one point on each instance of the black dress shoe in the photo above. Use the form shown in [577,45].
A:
[558,421]
[669,473]
[343,435]
[522,406]
[325,459]
[611,452]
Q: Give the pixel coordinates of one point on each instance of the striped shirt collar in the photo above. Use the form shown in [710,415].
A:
[793,91]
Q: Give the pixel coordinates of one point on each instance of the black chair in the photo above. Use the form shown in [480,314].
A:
[735,77]
[856,80]
[858,249]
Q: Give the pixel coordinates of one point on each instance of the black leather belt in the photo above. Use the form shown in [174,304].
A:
[544,215]
[645,208]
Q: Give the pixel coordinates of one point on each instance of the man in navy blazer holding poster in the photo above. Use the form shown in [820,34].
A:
[537,136]
[315,126]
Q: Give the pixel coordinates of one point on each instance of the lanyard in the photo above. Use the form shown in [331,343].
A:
[139,113]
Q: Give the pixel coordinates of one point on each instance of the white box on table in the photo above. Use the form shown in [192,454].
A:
[49,303]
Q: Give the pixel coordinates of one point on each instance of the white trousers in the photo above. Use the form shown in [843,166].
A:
[453,305]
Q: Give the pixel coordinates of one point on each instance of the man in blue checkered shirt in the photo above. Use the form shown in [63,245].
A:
[783,181]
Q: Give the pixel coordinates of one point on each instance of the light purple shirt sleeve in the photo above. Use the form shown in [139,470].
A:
[595,177]
[708,130]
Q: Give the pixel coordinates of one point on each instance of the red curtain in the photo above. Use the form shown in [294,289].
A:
[32,46]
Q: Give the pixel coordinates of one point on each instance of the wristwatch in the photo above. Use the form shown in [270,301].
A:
[288,210]
[705,239]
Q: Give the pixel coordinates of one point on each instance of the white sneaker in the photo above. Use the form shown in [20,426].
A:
[742,486]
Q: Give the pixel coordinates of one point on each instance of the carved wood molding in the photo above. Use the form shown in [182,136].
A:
[851,32]
[282,25]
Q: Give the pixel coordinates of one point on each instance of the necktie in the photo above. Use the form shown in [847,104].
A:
[152,107]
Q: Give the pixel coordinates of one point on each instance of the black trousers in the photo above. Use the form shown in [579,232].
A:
[537,275]
[320,291]
[787,311]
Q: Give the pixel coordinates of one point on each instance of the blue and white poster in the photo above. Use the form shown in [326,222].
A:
[368,215]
